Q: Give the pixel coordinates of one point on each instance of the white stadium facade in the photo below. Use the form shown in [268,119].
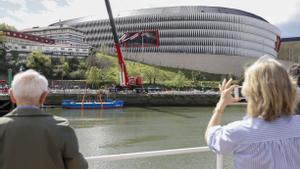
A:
[210,39]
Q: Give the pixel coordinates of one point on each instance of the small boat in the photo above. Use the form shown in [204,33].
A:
[108,104]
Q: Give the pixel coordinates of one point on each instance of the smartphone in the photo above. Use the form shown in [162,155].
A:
[237,92]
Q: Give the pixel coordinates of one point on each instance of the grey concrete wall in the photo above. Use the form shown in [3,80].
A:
[219,64]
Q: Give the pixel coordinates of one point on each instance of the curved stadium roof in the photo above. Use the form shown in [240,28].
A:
[170,11]
[189,10]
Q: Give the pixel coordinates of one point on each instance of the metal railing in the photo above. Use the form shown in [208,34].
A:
[126,156]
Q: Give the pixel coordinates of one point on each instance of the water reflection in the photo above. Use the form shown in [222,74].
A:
[167,111]
[81,118]
[87,113]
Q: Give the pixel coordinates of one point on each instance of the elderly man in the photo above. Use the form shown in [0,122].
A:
[32,139]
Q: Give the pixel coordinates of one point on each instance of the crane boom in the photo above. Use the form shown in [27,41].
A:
[122,66]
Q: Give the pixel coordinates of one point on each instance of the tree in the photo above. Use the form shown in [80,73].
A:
[2,38]
[15,62]
[133,69]
[148,74]
[112,75]
[3,51]
[62,68]
[79,71]
[74,63]
[93,76]
[180,80]
[40,63]
[153,74]
[65,69]
[6,27]
[3,61]
[161,76]
[96,76]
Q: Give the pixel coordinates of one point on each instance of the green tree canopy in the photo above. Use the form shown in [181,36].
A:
[78,71]
[61,68]
[15,62]
[65,69]
[40,63]
[6,27]
[3,61]
[1,37]
[93,76]
[180,80]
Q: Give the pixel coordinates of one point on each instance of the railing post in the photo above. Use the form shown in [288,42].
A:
[219,161]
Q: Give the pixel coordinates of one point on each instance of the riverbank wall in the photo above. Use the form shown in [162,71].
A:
[143,99]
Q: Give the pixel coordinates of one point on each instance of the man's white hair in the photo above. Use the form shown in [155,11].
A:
[29,85]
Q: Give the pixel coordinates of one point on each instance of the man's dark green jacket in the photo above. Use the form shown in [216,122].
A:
[33,139]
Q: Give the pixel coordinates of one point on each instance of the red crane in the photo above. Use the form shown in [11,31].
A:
[125,81]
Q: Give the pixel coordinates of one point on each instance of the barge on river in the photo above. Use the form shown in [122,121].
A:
[108,104]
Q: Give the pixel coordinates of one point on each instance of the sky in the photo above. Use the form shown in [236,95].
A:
[22,14]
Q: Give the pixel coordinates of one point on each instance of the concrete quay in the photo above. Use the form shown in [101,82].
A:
[151,99]
[171,99]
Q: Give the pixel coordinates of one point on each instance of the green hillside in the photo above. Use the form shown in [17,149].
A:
[163,76]
[290,51]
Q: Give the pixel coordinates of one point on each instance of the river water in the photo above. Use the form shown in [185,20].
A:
[135,129]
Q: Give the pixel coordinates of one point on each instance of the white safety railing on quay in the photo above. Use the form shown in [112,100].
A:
[126,156]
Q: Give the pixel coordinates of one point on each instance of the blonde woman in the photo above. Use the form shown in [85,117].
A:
[269,136]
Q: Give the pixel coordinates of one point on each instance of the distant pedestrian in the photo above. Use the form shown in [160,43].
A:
[31,138]
[294,72]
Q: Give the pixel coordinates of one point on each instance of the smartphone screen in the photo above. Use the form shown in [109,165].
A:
[237,93]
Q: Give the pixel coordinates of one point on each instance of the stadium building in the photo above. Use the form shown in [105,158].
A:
[211,39]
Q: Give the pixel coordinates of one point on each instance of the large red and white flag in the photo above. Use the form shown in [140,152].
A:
[124,37]
[129,36]
[134,36]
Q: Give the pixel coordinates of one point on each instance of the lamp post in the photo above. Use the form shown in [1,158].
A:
[9,73]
